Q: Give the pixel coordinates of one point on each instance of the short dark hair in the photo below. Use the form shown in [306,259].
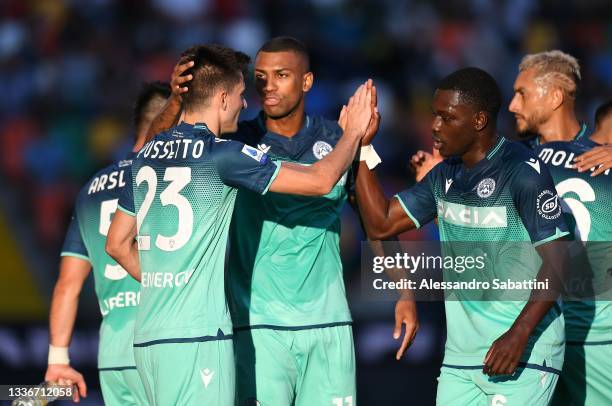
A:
[476,87]
[148,91]
[602,113]
[287,44]
[214,66]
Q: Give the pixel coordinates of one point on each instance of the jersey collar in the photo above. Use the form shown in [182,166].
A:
[261,122]
[579,135]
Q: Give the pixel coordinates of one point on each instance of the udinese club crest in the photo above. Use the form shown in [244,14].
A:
[485,188]
[320,149]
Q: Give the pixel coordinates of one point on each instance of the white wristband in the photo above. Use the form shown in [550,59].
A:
[368,154]
[58,355]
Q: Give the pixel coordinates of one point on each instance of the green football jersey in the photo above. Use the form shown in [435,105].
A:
[587,207]
[505,205]
[284,266]
[183,187]
[118,293]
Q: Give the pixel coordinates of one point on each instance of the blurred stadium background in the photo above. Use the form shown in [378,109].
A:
[70,71]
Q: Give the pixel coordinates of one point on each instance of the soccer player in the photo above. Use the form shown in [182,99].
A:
[603,124]
[544,98]
[587,205]
[600,157]
[285,271]
[117,294]
[184,188]
[544,104]
[499,352]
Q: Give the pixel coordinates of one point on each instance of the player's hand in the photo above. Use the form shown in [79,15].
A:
[504,355]
[405,313]
[178,81]
[422,162]
[66,375]
[374,121]
[599,158]
[355,117]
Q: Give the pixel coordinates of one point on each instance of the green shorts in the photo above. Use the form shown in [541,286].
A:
[314,366]
[471,387]
[190,373]
[585,379]
[122,386]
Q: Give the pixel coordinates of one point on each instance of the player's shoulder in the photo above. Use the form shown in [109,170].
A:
[249,131]
[107,180]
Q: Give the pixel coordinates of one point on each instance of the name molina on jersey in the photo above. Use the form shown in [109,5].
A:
[560,158]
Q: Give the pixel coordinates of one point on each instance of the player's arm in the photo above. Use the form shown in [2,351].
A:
[505,354]
[121,243]
[382,218]
[171,111]
[73,271]
[319,178]
[545,232]
[405,313]
[599,158]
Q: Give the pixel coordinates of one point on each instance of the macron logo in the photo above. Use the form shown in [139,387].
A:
[534,163]
[263,148]
[449,182]
[206,375]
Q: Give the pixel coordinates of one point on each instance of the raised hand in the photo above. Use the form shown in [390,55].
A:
[356,116]
[422,162]
[599,158]
[374,121]
[178,81]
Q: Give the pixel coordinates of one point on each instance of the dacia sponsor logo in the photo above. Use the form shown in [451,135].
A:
[548,205]
[472,216]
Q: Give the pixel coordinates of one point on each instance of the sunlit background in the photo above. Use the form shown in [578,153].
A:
[70,70]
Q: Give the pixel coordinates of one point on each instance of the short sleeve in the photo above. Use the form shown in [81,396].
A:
[126,195]
[538,204]
[419,202]
[240,165]
[73,243]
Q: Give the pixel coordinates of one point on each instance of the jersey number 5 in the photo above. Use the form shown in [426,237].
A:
[179,177]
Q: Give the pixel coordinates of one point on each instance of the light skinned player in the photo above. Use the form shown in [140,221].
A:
[117,295]
[179,261]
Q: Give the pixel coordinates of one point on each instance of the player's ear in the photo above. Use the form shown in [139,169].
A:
[480,120]
[307,81]
[224,99]
[557,98]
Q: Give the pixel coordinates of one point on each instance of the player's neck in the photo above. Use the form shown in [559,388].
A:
[560,127]
[479,150]
[603,132]
[289,125]
[602,136]
[207,117]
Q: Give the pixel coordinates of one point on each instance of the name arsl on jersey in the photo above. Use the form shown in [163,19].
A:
[107,182]
[121,299]
[560,158]
[165,279]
